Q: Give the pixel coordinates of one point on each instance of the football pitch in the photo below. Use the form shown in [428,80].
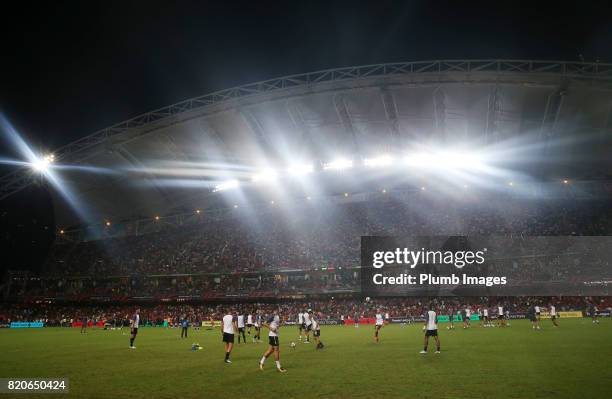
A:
[572,361]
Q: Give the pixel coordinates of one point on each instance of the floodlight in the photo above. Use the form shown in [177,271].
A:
[265,175]
[383,160]
[42,164]
[300,169]
[226,185]
[338,164]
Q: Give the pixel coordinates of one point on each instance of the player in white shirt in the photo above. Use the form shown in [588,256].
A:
[316,331]
[229,329]
[241,325]
[485,317]
[466,320]
[273,325]
[380,321]
[307,326]
[553,314]
[249,323]
[134,323]
[431,330]
[500,316]
[300,322]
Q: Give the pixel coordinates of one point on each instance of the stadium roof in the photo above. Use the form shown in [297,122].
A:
[354,110]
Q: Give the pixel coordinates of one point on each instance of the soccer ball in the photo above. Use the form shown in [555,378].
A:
[293,345]
[367,299]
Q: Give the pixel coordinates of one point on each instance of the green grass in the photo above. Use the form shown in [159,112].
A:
[572,361]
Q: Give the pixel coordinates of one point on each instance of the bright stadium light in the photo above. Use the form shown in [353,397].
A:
[338,164]
[265,175]
[42,164]
[377,162]
[420,160]
[459,160]
[300,169]
[226,185]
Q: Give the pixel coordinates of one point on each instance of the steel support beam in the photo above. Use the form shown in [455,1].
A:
[439,110]
[493,109]
[345,119]
[388,100]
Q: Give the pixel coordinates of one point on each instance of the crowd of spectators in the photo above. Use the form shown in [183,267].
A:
[256,253]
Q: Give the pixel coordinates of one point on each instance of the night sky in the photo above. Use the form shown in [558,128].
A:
[71,68]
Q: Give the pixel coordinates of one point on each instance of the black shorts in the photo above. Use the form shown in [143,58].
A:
[538,314]
[553,317]
[249,325]
[308,327]
[273,341]
[501,316]
[316,333]
[228,338]
[378,326]
[240,329]
[134,331]
[431,333]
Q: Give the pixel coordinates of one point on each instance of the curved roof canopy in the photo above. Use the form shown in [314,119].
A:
[123,170]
